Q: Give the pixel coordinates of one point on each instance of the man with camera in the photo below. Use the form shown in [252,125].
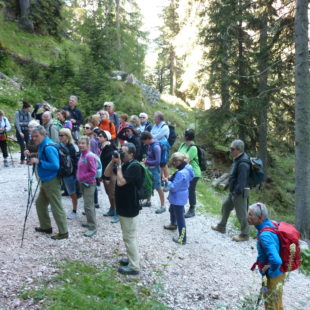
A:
[129,178]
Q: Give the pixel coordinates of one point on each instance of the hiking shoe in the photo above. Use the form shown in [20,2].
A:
[160,210]
[22,162]
[6,164]
[115,219]
[217,228]
[124,261]
[109,213]
[127,270]
[240,238]
[190,212]
[178,240]
[97,206]
[166,189]
[42,230]
[72,215]
[60,236]
[90,233]
[64,194]
[85,225]
[170,227]
[146,203]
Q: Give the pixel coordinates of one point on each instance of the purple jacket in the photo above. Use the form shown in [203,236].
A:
[153,155]
[178,194]
[87,168]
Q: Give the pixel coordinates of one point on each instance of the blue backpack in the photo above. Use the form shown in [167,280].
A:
[257,174]
[164,147]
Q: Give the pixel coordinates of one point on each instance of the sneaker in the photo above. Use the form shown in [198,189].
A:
[115,219]
[240,238]
[6,164]
[124,261]
[178,240]
[72,215]
[162,209]
[217,228]
[64,194]
[190,213]
[166,189]
[90,233]
[60,236]
[109,213]
[42,230]
[170,227]
[146,203]
[127,270]
[97,206]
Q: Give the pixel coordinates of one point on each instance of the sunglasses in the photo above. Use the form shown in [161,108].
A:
[100,136]
[86,127]
[232,149]
[106,106]
[141,116]
[61,135]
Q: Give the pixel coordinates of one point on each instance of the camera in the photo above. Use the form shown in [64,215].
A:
[119,153]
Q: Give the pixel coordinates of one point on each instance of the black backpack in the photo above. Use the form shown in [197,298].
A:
[66,165]
[202,156]
[172,134]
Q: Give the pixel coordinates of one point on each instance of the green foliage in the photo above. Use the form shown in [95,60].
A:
[305,262]
[81,286]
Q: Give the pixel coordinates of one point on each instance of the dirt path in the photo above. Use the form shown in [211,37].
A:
[210,272]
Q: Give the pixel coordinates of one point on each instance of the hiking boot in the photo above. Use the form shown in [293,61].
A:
[146,203]
[240,238]
[22,162]
[72,215]
[170,227]
[127,270]
[60,236]
[115,219]
[85,225]
[90,233]
[6,164]
[111,212]
[97,206]
[190,212]
[217,228]
[179,240]
[162,209]
[124,261]
[42,230]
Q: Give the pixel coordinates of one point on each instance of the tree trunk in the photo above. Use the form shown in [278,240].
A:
[25,20]
[263,88]
[172,72]
[118,33]
[302,119]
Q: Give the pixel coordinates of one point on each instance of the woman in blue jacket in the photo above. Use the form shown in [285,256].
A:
[178,185]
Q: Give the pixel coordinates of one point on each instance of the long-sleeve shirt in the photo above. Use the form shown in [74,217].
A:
[153,155]
[5,124]
[160,131]
[87,167]
[75,114]
[108,126]
[268,248]
[22,119]
[52,131]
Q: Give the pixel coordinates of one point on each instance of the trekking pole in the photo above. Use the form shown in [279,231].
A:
[28,208]
[8,145]
[261,292]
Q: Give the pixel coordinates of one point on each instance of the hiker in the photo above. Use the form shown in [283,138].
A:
[5,126]
[113,116]
[75,116]
[106,124]
[152,161]
[86,175]
[22,119]
[62,118]
[238,191]
[48,165]
[51,129]
[129,134]
[189,148]
[135,122]
[160,132]
[269,260]
[107,149]
[144,124]
[178,185]
[39,109]
[129,178]
[123,122]
[66,142]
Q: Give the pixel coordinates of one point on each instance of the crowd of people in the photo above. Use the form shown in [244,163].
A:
[115,150]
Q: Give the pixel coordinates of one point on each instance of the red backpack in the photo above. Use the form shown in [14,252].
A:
[288,236]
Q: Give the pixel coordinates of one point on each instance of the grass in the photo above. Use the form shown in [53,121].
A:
[81,286]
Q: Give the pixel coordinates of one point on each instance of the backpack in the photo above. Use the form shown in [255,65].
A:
[288,237]
[202,156]
[164,147]
[65,162]
[172,134]
[257,175]
[99,164]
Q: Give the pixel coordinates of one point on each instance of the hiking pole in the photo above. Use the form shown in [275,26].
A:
[28,208]
[8,145]
[261,292]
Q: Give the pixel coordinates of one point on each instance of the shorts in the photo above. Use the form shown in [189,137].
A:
[162,165]
[70,184]
[156,177]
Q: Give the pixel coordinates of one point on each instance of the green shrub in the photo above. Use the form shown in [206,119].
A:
[305,262]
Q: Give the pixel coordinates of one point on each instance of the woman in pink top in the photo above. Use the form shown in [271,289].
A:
[123,118]
[86,175]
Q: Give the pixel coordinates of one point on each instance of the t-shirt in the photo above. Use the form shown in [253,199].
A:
[192,153]
[126,197]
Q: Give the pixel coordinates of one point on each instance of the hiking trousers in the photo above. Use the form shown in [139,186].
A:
[240,204]
[129,231]
[177,219]
[89,206]
[273,297]
[50,193]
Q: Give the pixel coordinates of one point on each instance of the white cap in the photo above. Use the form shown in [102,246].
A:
[108,135]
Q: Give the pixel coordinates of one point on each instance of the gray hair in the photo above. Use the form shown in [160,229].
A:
[47,113]
[110,103]
[33,123]
[238,144]
[103,112]
[131,148]
[160,115]
[74,98]
[40,129]
[260,210]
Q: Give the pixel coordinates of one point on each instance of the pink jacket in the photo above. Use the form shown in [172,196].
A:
[87,168]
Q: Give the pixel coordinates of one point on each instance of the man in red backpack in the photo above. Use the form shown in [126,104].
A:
[269,260]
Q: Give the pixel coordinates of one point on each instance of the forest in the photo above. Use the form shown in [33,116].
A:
[238,76]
